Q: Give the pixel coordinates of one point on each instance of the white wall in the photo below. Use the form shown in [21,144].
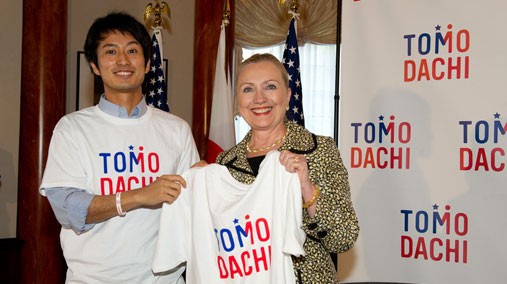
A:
[178,50]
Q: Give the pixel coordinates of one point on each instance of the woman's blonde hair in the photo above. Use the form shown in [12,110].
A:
[262,57]
[256,58]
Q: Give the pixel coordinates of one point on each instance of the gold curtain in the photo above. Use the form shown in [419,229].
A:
[265,22]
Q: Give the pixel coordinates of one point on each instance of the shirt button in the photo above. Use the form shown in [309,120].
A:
[322,234]
[312,226]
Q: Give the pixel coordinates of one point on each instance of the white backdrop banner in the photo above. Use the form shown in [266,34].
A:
[423,134]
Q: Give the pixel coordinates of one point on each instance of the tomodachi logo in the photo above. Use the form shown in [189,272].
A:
[441,55]
[484,145]
[388,144]
[244,249]
[126,170]
[438,235]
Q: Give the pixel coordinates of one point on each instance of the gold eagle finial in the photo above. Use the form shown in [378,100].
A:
[154,15]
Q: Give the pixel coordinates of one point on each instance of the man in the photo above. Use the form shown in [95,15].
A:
[111,166]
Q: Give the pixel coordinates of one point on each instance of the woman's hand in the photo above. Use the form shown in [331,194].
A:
[297,163]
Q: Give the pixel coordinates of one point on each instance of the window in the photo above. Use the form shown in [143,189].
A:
[318,76]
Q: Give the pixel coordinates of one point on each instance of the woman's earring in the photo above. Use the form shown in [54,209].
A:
[287,108]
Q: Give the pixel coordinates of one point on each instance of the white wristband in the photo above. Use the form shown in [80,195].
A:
[118,205]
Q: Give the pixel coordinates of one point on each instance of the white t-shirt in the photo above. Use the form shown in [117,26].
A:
[103,154]
[231,232]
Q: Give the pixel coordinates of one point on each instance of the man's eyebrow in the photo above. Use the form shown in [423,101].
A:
[116,45]
[108,45]
[133,42]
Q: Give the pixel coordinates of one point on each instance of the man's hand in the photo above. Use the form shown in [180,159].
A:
[165,188]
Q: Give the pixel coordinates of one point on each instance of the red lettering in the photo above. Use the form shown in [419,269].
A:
[153,162]
[381,150]
[465,251]
[120,184]
[482,160]
[246,269]
[496,168]
[260,259]
[398,158]
[224,273]
[438,256]
[456,67]
[381,158]
[455,250]
[407,158]
[434,69]
[130,181]
[420,249]
[452,251]
[406,246]
[355,162]
[369,158]
[464,163]
[106,182]
[234,267]
[238,266]
[423,70]
[409,71]
[261,222]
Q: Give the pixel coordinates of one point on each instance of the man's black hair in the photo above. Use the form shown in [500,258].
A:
[117,21]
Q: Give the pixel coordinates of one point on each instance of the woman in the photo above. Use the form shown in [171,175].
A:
[330,222]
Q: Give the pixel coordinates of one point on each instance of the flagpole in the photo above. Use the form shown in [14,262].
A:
[227,13]
[334,256]
[337,79]
[155,84]
[291,62]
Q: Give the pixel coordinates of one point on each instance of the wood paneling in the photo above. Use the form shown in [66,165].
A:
[42,104]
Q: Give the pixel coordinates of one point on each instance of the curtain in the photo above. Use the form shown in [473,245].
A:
[266,22]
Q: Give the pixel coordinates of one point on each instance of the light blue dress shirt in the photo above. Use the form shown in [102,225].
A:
[71,204]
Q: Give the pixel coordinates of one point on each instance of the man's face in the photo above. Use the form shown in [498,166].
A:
[121,64]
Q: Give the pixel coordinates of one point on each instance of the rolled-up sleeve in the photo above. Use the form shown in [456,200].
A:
[70,206]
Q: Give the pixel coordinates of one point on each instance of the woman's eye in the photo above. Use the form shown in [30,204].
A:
[110,51]
[247,90]
[271,87]
[132,51]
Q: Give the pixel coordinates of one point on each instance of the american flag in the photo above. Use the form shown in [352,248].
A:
[155,88]
[291,62]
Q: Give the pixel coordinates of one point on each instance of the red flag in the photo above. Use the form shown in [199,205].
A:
[221,130]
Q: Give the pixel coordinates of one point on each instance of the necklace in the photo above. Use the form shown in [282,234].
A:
[266,147]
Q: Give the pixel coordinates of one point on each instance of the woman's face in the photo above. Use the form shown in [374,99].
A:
[262,95]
